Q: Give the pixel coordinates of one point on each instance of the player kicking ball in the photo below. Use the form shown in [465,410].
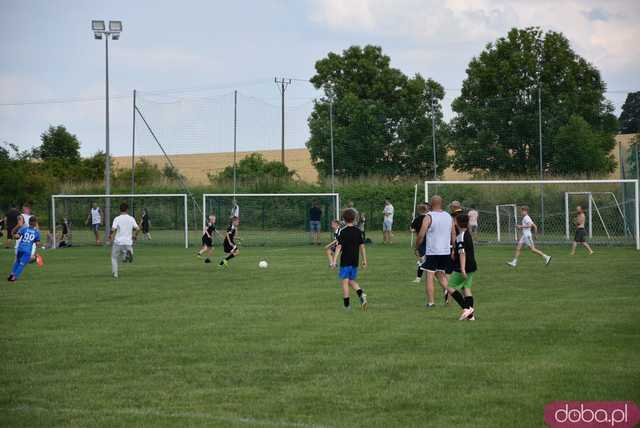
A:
[29,237]
[229,244]
[464,265]
[527,238]
[330,248]
[350,245]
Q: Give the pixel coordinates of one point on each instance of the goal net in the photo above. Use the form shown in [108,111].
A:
[71,218]
[280,219]
[611,207]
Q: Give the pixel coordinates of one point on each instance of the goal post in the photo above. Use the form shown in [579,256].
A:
[168,214]
[615,218]
[268,219]
[511,220]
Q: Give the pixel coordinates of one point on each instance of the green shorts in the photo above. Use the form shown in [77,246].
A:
[456,280]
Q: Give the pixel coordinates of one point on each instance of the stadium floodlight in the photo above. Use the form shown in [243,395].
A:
[99,29]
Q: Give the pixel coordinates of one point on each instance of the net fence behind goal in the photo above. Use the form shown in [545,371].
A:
[272,219]
[610,207]
[167,216]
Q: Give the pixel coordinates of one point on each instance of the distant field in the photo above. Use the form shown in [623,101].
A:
[177,342]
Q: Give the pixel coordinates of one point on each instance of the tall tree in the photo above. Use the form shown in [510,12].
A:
[58,143]
[630,116]
[496,128]
[382,119]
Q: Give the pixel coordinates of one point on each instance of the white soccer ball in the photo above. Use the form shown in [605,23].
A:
[263,264]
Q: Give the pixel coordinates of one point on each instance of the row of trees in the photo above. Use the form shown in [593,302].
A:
[32,175]
[524,85]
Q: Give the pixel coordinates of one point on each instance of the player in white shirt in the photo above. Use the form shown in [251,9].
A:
[95,217]
[123,227]
[473,221]
[527,238]
[437,235]
[387,223]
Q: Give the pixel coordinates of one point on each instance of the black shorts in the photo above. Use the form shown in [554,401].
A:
[145,228]
[437,264]
[229,247]
[207,241]
[581,235]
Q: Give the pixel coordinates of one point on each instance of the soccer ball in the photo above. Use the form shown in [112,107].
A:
[263,264]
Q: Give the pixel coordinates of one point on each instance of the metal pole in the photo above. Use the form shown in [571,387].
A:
[637,210]
[107,166]
[541,162]
[235,134]
[133,155]
[624,187]
[282,130]
[637,144]
[333,178]
[433,138]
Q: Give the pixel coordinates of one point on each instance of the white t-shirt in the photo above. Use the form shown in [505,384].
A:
[95,216]
[473,218]
[388,212]
[439,234]
[124,225]
[526,225]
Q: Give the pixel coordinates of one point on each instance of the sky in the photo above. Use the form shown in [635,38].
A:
[186,58]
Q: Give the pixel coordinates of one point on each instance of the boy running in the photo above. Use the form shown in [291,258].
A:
[350,245]
[581,233]
[330,248]
[527,238]
[29,237]
[464,265]
[123,227]
[229,244]
[207,239]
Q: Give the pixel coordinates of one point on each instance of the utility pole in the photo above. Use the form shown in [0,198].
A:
[133,155]
[333,178]
[283,83]
[235,134]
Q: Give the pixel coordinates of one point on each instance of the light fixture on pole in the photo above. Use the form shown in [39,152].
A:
[100,31]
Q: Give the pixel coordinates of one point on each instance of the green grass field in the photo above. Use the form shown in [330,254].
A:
[176,342]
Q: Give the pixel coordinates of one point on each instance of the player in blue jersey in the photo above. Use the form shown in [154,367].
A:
[29,239]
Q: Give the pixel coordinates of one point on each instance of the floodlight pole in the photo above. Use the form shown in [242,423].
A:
[133,153]
[541,164]
[333,177]
[107,158]
[433,139]
[235,128]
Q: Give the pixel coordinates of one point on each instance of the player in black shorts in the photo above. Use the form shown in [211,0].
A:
[229,244]
[145,224]
[207,239]
[330,248]
[422,210]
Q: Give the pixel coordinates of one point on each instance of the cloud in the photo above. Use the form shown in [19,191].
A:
[606,33]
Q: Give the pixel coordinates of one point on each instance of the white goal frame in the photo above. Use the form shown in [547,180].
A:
[515,219]
[123,196]
[266,195]
[636,184]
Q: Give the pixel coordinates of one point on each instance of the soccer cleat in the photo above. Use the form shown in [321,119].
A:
[473,318]
[207,260]
[417,280]
[430,305]
[363,302]
[224,263]
[198,255]
[39,260]
[115,276]
[129,257]
[11,278]
[547,260]
[512,263]
[466,313]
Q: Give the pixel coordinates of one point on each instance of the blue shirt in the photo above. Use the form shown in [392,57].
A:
[28,236]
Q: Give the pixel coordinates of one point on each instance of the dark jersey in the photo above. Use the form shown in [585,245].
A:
[464,244]
[315,214]
[231,234]
[145,220]
[350,239]
[12,219]
[65,227]
[416,224]
[211,229]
